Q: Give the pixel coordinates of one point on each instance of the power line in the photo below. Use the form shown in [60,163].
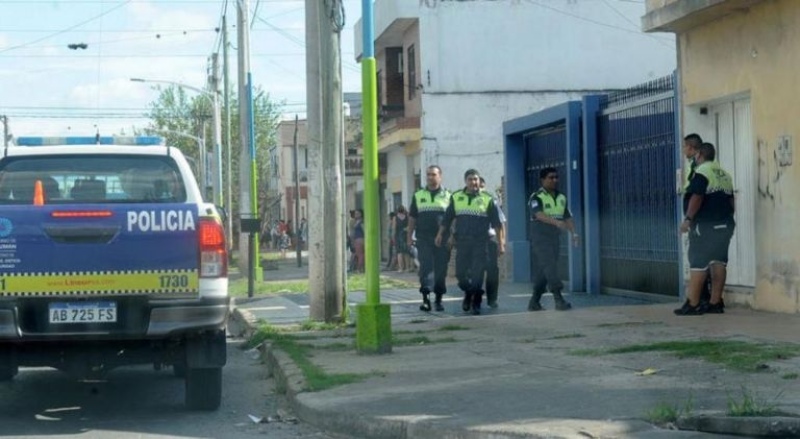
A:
[67,29]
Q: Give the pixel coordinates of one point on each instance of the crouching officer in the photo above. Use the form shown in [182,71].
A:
[473,211]
[426,213]
[550,216]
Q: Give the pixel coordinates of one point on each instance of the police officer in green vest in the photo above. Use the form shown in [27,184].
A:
[710,223]
[473,211]
[428,206]
[550,215]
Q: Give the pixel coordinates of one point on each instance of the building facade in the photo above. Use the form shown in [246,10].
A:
[450,74]
[736,61]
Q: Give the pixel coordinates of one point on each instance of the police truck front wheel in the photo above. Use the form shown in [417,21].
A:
[203,388]
[8,365]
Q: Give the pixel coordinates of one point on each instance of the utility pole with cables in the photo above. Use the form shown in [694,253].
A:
[324,23]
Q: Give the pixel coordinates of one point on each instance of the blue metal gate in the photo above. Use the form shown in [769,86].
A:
[638,218]
[547,148]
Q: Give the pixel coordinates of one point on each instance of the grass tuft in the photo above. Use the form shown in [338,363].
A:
[751,404]
[738,355]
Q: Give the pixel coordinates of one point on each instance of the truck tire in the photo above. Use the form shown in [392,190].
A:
[203,388]
[8,365]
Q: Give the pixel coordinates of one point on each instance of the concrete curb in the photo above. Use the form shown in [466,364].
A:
[291,382]
[768,426]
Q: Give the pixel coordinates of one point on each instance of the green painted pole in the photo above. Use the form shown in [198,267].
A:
[373,321]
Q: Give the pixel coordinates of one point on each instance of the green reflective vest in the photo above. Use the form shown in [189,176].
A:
[718,179]
[474,206]
[554,207]
[427,203]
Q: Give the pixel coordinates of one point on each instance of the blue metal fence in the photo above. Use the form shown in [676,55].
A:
[636,171]
[547,148]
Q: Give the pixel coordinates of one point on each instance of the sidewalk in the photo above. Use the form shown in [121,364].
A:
[543,375]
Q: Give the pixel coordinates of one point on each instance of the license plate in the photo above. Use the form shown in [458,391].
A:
[83,312]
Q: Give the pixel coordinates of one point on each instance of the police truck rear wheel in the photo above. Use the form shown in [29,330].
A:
[203,388]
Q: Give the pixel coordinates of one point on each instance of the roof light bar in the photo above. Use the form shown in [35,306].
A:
[90,140]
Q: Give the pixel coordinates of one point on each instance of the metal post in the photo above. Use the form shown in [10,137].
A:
[5,130]
[374,329]
[298,244]
[248,260]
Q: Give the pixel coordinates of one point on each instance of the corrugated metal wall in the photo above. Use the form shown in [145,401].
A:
[638,219]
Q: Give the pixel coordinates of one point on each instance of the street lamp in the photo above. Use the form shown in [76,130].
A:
[216,183]
[201,145]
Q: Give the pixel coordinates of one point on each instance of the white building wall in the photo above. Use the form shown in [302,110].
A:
[552,45]
[485,62]
[466,131]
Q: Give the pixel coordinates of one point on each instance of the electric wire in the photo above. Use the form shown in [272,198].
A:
[46,37]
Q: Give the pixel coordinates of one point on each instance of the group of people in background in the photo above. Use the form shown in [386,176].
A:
[471,221]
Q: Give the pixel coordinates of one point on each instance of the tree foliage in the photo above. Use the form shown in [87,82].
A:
[175,115]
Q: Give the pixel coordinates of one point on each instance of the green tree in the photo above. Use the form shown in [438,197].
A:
[174,111]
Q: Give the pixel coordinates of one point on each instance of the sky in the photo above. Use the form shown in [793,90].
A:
[46,88]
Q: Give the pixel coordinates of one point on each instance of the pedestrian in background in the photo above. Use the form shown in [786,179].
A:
[426,213]
[358,240]
[473,211]
[391,263]
[400,239]
[550,216]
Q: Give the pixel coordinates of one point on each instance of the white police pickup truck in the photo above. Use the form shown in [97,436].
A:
[109,257]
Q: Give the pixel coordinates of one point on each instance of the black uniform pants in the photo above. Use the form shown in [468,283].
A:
[545,273]
[470,265]
[433,262]
[492,271]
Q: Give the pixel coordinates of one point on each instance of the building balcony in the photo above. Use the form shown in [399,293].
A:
[681,15]
[354,165]
[392,18]
[398,131]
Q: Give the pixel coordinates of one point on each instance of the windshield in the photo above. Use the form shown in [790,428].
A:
[82,179]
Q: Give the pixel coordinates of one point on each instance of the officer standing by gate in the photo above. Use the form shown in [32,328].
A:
[474,211]
[428,206]
[550,216]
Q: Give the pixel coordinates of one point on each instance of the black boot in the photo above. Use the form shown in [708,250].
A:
[476,302]
[426,303]
[466,304]
[561,304]
[437,305]
[533,304]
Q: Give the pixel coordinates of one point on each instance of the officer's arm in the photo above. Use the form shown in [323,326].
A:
[412,222]
[449,215]
[697,188]
[694,206]
[547,220]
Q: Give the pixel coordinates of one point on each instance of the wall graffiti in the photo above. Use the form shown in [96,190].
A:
[772,165]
